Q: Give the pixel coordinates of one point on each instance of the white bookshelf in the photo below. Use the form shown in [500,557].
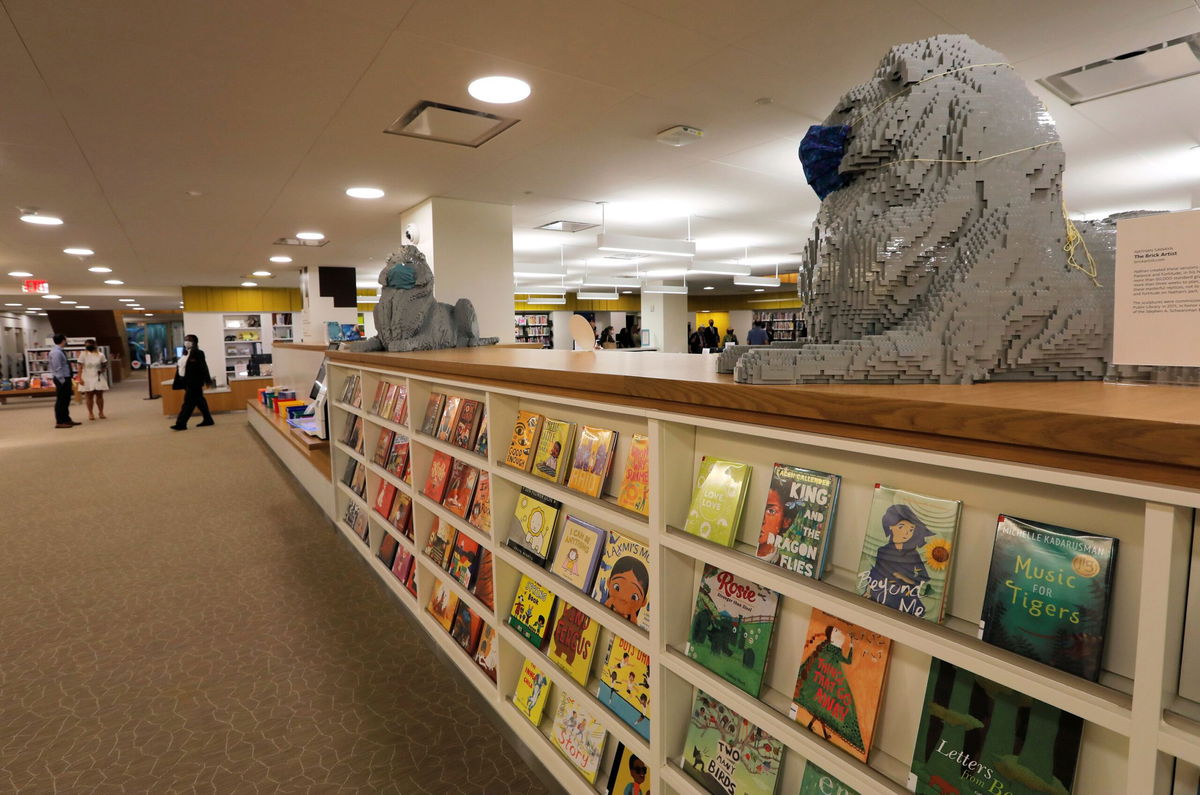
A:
[37,361]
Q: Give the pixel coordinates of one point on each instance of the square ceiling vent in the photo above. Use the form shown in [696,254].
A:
[434,121]
[295,241]
[567,226]
[1148,66]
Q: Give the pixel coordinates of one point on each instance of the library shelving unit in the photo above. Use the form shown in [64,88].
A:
[37,360]
[1119,461]
[783,325]
[531,327]
[281,327]
[242,337]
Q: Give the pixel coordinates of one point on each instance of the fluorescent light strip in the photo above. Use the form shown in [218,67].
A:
[665,289]
[592,280]
[540,289]
[633,244]
[720,268]
[559,300]
[757,281]
[586,296]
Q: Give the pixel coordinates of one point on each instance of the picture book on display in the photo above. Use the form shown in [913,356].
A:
[486,653]
[717,500]
[977,737]
[1047,594]
[399,409]
[578,553]
[401,515]
[466,627]
[573,641]
[464,559]
[383,446]
[397,458]
[524,437]
[443,604]
[449,417]
[467,425]
[907,552]
[441,541]
[380,390]
[797,521]
[635,483]
[481,439]
[592,460]
[533,688]
[403,564]
[484,587]
[359,484]
[623,579]
[532,528]
[384,498]
[433,413]
[439,476]
[531,611]
[732,627]
[625,684]
[356,520]
[579,735]
[817,782]
[460,488]
[480,515]
[552,458]
[387,549]
[727,753]
[410,581]
[839,688]
[629,774]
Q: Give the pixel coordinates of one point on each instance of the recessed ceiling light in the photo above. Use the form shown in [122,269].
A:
[498,89]
[261,273]
[20,274]
[365,193]
[310,235]
[113,281]
[149,314]
[79,252]
[249,284]
[100,269]
[627,292]
[127,300]
[83,306]
[759,289]
[65,301]
[709,287]
[281,259]
[32,217]
[12,304]
[43,314]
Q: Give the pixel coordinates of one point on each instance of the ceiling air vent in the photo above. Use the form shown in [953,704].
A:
[1148,66]
[567,226]
[295,241]
[434,121]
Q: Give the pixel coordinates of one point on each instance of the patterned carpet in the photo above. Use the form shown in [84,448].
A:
[177,616]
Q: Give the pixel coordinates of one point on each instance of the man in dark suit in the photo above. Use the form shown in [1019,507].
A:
[191,375]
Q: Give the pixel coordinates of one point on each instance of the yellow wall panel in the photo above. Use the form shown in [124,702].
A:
[242,299]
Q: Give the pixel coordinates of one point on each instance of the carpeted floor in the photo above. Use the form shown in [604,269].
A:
[177,616]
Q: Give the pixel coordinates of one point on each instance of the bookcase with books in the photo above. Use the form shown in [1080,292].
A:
[535,328]
[37,362]
[281,327]
[784,325]
[776,607]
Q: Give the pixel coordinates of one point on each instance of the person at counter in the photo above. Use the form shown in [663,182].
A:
[191,375]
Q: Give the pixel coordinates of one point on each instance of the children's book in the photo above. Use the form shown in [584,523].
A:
[449,417]
[486,653]
[629,774]
[484,587]
[481,439]
[464,559]
[443,603]
[531,611]
[383,446]
[553,455]
[387,549]
[578,553]
[359,484]
[907,552]
[840,685]
[433,412]
[524,437]
[817,782]
[388,402]
[533,688]
[404,561]
[397,459]
[460,488]
[592,460]
[977,737]
[797,521]
[635,483]
[467,426]
[532,529]
[732,627]
[573,642]
[466,627]
[579,735]
[362,528]
[717,500]
[380,390]
[410,582]
[625,684]
[623,579]
[727,753]
[441,541]
[1048,592]
[384,498]
[401,515]
[400,410]
[480,515]
[439,475]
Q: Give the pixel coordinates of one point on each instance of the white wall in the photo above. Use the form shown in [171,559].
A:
[740,321]
[666,317]
[209,327]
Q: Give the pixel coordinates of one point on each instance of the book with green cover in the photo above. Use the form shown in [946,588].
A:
[726,753]
[531,611]
[817,782]
[732,627]
[1047,594]
[977,738]
[797,521]
[717,500]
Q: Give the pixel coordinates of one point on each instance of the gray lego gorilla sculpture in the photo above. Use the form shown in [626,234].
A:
[409,318]
[941,251]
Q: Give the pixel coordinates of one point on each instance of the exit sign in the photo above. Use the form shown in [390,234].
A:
[35,286]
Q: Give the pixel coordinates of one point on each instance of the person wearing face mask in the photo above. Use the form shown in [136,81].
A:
[191,375]
[93,378]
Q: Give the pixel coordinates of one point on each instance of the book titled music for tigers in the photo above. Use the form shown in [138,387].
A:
[526,430]
[732,626]
[592,460]
[635,483]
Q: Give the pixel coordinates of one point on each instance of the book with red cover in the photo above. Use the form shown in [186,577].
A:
[380,389]
[400,412]
[464,559]
[466,628]
[467,427]
[397,460]
[480,515]
[384,498]
[401,515]
[449,417]
[439,475]
[387,549]
[460,488]
[441,540]
[383,447]
[404,561]
[433,411]
[484,587]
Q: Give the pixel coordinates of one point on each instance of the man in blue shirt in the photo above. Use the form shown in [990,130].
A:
[757,335]
[60,371]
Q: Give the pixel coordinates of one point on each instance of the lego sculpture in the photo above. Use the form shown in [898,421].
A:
[941,252]
[409,318]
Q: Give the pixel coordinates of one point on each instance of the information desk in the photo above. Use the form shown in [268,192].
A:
[223,398]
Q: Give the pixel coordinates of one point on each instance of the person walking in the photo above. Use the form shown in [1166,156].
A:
[757,335]
[60,371]
[93,378]
[191,375]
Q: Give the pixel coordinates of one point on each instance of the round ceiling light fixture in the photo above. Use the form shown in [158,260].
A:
[709,287]
[498,89]
[33,217]
[113,281]
[82,306]
[68,302]
[12,304]
[365,193]
[261,273]
[79,252]
[127,300]
[51,297]
[310,235]
[20,274]
[100,269]
[281,258]
[759,289]
[249,284]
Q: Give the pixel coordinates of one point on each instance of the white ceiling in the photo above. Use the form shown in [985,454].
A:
[110,113]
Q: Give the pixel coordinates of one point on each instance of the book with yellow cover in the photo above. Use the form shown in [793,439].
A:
[533,688]
[573,642]
[532,529]
[442,604]
[524,436]
[554,450]
[592,460]
[635,484]
[530,614]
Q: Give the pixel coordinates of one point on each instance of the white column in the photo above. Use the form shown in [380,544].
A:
[666,317]
[561,326]
[740,321]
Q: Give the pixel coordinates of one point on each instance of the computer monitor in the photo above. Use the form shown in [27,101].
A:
[178,351]
[319,384]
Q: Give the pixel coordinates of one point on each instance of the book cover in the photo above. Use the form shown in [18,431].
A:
[524,436]
[579,735]
[401,515]
[531,611]
[383,446]
[533,688]
[467,426]
[384,498]
[486,653]
[623,579]
[439,475]
[797,521]
[716,508]
[592,460]
[635,483]
[481,439]
[727,753]
[387,400]
[449,417]
[443,603]
[460,488]
[839,688]
[433,412]
[466,627]
[629,774]
[362,528]
[732,627]
[484,587]
[817,782]
[464,559]
[403,562]
[387,549]
[410,582]
[578,553]
[380,389]
[573,641]
[397,458]
[977,737]
[1047,594]
[907,552]
[553,452]
[441,541]
[359,484]
[532,529]
[625,684]
[480,515]
[400,410]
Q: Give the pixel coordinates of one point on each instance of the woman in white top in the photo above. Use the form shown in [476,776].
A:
[93,378]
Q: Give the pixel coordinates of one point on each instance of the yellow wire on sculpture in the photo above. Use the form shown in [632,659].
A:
[1074,240]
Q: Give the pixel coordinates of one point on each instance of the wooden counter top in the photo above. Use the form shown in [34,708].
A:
[1149,433]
